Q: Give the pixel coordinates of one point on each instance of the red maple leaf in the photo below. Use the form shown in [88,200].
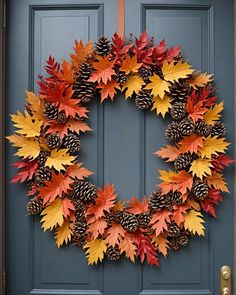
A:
[28,171]
[52,67]
[178,214]
[145,249]
[221,161]
[172,52]
[138,207]
[104,202]
[208,204]
[119,47]
[195,110]
[67,207]
[159,221]
[191,143]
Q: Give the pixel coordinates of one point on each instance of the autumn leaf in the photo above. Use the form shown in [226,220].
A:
[191,144]
[166,175]
[127,245]
[195,110]
[133,85]
[27,147]
[158,86]
[96,227]
[108,90]
[209,203]
[52,215]
[213,114]
[95,250]
[213,146]
[81,52]
[78,172]
[138,207]
[66,74]
[217,181]
[130,64]
[103,70]
[193,221]
[27,172]
[168,152]
[35,103]
[161,243]
[193,204]
[115,234]
[180,182]
[55,187]
[104,202]
[59,158]
[178,214]
[173,72]
[67,207]
[200,80]
[161,106]
[63,233]
[119,206]
[221,161]
[27,125]
[159,221]
[201,167]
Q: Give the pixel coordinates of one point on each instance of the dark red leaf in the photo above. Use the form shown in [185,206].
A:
[27,172]
[221,161]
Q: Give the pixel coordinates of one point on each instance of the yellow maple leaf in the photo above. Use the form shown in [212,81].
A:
[193,221]
[201,167]
[195,205]
[59,158]
[217,181]
[161,243]
[213,146]
[158,86]
[27,125]
[27,147]
[133,85]
[63,233]
[52,215]
[36,105]
[200,80]
[166,175]
[95,250]
[161,105]
[213,114]
[173,72]
[130,64]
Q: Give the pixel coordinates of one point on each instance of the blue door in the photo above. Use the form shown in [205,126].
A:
[37,28]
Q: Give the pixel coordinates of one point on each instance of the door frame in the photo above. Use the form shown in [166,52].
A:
[3,25]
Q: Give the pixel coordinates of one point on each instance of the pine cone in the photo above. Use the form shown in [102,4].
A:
[84,90]
[121,78]
[61,118]
[158,202]
[118,215]
[80,228]
[183,162]
[174,245]
[85,71]
[84,191]
[79,210]
[35,206]
[72,142]
[50,112]
[42,174]
[200,189]
[42,157]
[178,111]
[186,126]
[129,222]
[182,240]
[174,198]
[173,132]
[113,253]
[143,100]
[103,46]
[144,219]
[218,129]
[53,141]
[202,128]
[173,230]
[179,91]
[109,218]
[145,74]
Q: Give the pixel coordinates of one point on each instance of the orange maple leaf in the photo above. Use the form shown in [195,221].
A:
[217,181]
[180,182]
[55,187]
[130,64]
[169,152]
[191,144]
[114,234]
[178,214]
[159,221]
[103,70]
[81,52]
[67,207]
[76,171]
[127,245]
[104,202]
[66,74]
[108,90]
[137,207]
[97,227]
[195,110]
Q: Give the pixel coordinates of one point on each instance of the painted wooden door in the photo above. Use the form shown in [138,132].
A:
[120,148]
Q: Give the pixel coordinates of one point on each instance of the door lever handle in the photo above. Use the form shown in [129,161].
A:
[225,280]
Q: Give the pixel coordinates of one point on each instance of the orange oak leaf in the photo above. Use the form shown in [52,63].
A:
[108,90]
[81,51]
[216,180]
[104,202]
[130,64]
[70,125]
[103,70]
[127,245]
[67,207]
[161,243]
[159,221]
[55,187]
[97,227]
[180,182]
[114,234]
[66,74]
[191,144]
[138,207]
[168,152]
[195,110]
[76,171]
[119,206]
[178,214]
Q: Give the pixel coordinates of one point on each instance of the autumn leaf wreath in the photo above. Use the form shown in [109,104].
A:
[47,139]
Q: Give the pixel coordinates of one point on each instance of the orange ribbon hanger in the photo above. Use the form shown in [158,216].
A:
[121,18]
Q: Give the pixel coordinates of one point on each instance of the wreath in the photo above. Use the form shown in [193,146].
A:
[47,138]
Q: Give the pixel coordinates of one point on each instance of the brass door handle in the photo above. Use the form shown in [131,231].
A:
[225,279]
